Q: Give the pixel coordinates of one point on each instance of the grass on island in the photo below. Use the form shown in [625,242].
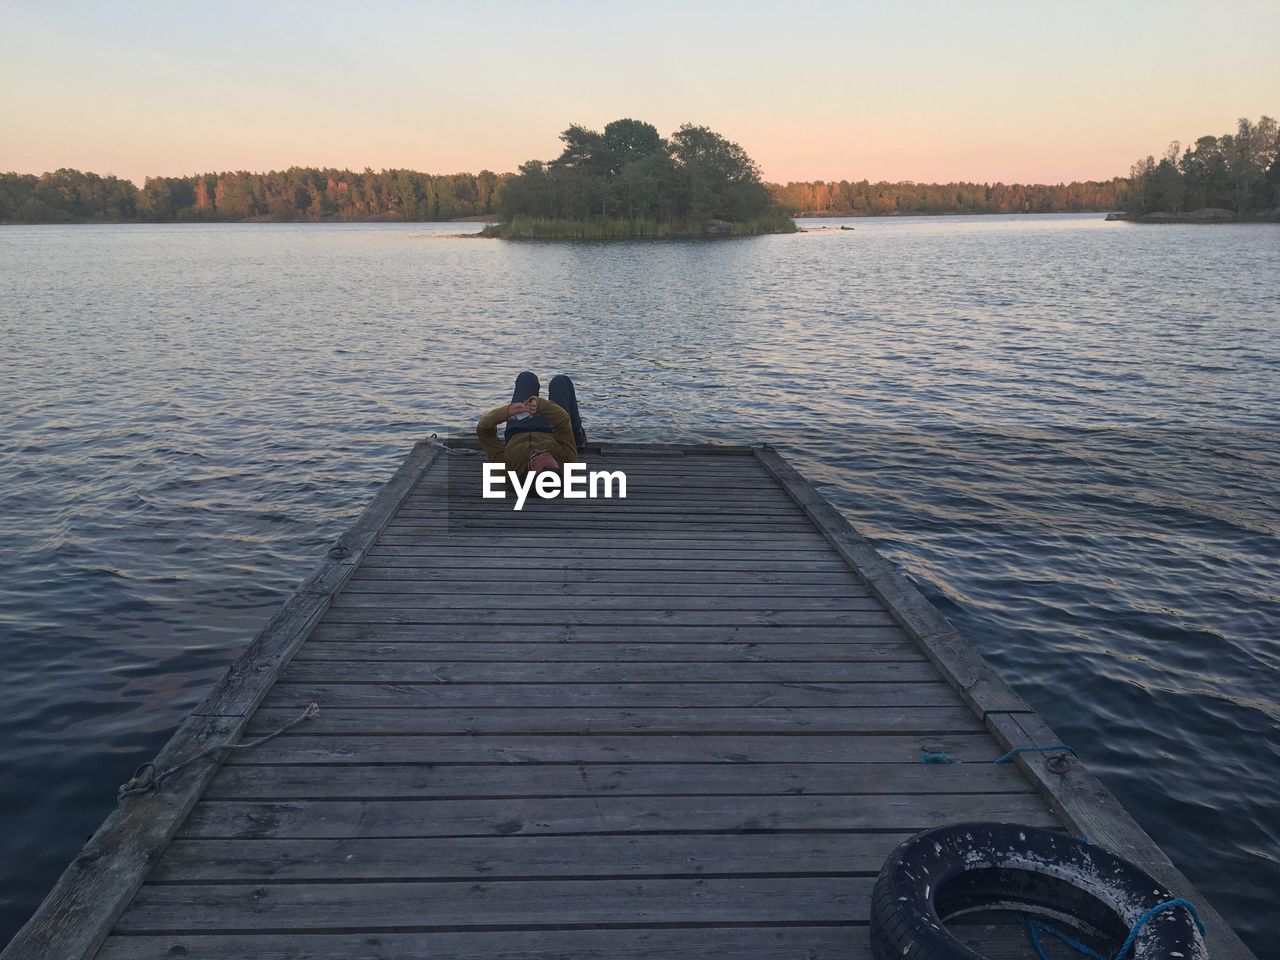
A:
[526,228]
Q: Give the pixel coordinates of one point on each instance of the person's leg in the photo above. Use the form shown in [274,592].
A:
[526,386]
[560,391]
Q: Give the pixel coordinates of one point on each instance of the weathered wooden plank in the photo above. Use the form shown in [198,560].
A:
[502,584]
[640,509]
[607,553]
[609,578]
[535,537]
[574,672]
[1090,809]
[752,942]
[499,858]
[512,614]
[568,526]
[570,633]
[749,942]
[743,564]
[654,497]
[242,686]
[595,720]
[317,819]
[535,652]
[541,516]
[534,603]
[472,695]
[478,781]
[691,466]
[469,487]
[473,466]
[447,904]
[605,748]
[646,495]
[981,686]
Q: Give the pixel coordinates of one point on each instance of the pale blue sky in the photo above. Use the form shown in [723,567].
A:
[922,91]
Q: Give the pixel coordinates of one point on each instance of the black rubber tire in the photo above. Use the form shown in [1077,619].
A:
[976,864]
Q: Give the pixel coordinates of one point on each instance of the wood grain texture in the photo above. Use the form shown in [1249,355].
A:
[393,696]
[616,652]
[508,857]
[408,780]
[847,941]
[611,720]
[318,819]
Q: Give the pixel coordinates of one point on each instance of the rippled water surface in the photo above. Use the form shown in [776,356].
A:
[1065,430]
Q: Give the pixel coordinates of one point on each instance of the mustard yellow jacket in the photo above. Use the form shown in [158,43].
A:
[515,453]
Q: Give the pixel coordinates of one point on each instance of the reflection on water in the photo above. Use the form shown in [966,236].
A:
[1064,430]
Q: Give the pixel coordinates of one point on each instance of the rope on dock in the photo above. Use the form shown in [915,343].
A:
[147,778]
[1017,750]
[1034,928]
[1154,911]
[435,441]
[941,756]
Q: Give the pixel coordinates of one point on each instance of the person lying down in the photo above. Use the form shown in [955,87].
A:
[541,435]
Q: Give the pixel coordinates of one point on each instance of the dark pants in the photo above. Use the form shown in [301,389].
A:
[559,391]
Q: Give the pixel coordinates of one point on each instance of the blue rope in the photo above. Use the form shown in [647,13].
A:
[1017,750]
[1158,908]
[1033,930]
[927,757]
[1035,926]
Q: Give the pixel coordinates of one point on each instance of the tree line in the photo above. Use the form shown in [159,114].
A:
[865,199]
[628,173]
[299,193]
[1237,171]
[650,188]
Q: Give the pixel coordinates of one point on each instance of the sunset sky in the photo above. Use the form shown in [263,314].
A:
[928,91]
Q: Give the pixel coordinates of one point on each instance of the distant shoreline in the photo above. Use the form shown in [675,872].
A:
[1205,215]
[493,218]
[1194,217]
[897,214]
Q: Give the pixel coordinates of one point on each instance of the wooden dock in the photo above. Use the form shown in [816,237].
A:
[689,722]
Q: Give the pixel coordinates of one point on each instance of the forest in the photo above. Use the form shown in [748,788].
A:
[1237,171]
[865,199]
[627,180]
[299,193]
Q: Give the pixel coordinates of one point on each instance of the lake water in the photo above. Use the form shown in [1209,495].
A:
[1064,430]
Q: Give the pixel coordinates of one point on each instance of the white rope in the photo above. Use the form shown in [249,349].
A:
[147,778]
[435,441]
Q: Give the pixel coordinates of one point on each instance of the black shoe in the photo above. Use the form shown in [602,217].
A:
[580,439]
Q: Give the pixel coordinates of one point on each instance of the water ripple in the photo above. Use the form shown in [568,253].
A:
[1065,431]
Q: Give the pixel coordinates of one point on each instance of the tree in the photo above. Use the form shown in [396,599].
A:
[627,141]
[585,151]
[1140,175]
[1204,171]
[1249,157]
[720,180]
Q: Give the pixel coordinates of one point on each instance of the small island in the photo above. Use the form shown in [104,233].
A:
[629,182]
